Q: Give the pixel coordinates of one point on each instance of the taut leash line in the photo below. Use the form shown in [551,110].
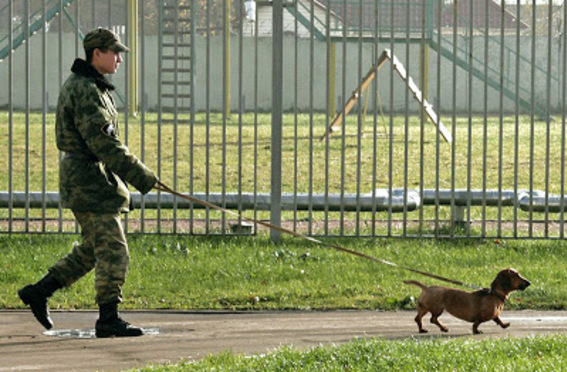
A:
[162,187]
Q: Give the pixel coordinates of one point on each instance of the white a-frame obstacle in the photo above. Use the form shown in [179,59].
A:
[399,67]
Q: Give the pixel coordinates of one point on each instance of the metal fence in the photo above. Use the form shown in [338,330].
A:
[418,118]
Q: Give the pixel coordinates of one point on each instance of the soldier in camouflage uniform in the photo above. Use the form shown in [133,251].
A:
[94,173]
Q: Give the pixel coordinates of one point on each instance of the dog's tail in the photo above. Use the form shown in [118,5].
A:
[415,282]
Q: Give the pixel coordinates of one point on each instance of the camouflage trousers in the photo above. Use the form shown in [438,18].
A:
[104,248]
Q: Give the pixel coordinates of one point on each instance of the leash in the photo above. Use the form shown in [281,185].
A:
[162,187]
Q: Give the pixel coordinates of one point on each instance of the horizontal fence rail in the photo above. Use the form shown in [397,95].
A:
[417,118]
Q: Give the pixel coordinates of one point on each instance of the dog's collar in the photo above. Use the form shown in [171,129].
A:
[501,297]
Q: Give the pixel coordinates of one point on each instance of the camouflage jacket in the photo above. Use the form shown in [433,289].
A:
[96,165]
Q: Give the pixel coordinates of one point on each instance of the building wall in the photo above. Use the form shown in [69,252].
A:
[305,74]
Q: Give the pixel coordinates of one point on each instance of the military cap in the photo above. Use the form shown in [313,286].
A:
[103,38]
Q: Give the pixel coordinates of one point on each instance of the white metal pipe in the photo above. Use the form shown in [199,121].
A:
[336,202]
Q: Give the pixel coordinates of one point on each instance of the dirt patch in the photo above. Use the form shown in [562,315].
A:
[193,335]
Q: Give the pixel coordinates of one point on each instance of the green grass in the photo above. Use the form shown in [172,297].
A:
[170,272]
[239,273]
[247,141]
[514,355]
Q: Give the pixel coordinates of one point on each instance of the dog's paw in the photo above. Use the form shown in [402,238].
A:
[505,325]
[423,331]
[445,329]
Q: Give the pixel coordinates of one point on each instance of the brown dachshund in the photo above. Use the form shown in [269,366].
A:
[476,307]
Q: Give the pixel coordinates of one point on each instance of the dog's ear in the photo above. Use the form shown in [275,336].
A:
[503,280]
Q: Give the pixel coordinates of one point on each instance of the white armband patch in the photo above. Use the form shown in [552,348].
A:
[109,130]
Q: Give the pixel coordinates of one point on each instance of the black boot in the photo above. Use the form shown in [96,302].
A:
[110,324]
[36,296]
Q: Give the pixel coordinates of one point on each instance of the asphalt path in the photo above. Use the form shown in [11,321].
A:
[174,335]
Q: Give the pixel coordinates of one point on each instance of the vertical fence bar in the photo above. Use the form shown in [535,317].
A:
[343,127]
[360,119]
[226,104]
[501,119]
[256,86]
[453,212]
[375,95]
[176,111]
[532,117]
[159,5]
[192,114]
[143,103]
[563,106]
[45,107]
[78,41]
[329,111]
[295,122]
[227,59]
[78,48]
[208,115]
[276,141]
[109,12]
[517,117]
[311,111]
[548,114]
[437,26]
[423,73]
[27,90]
[407,133]
[76,24]
[93,13]
[487,58]
[563,94]
[240,108]
[470,81]
[128,109]
[391,122]
[10,117]
[132,31]
[60,83]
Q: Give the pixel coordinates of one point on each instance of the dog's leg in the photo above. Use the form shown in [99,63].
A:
[435,320]
[500,323]
[475,328]
[421,311]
